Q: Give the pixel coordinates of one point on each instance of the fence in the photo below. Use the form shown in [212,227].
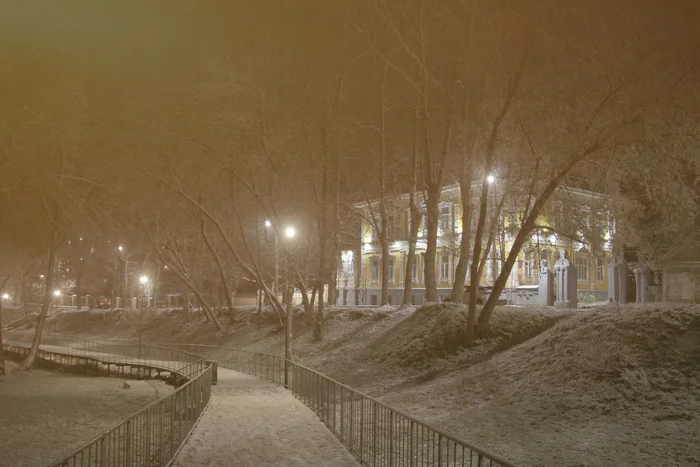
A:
[106,355]
[152,436]
[374,432]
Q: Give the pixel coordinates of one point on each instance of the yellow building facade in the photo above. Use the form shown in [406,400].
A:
[360,269]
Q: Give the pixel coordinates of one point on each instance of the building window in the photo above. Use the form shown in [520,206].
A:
[581,263]
[390,225]
[445,219]
[444,268]
[529,267]
[392,264]
[414,270]
[374,270]
[600,274]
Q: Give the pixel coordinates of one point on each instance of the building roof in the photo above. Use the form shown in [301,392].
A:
[686,252]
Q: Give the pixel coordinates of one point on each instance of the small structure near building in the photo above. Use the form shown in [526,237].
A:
[681,273]
[566,282]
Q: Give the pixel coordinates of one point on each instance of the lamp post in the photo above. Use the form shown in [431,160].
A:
[268,224]
[289,233]
[143,280]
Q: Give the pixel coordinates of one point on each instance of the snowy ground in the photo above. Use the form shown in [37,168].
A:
[44,415]
[250,423]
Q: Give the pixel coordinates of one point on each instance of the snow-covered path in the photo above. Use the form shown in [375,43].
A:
[250,422]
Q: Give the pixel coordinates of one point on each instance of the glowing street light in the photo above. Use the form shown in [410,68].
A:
[490,179]
[120,248]
[143,280]
[56,293]
[268,224]
[289,232]
[6,296]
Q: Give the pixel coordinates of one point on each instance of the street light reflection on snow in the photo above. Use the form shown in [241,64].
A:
[290,232]
[143,279]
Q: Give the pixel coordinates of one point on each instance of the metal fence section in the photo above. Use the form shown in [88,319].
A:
[376,434]
[106,357]
[152,436]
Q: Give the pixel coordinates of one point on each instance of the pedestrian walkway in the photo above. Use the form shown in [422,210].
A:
[250,422]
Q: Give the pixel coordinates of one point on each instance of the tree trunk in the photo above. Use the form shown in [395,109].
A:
[333,281]
[2,351]
[308,308]
[385,271]
[29,361]
[432,204]
[411,255]
[465,186]
[520,239]
[220,267]
[320,328]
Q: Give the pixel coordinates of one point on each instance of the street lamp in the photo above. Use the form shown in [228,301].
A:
[268,224]
[56,293]
[143,280]
[490,179]
[120,248]
[289,232]
[6,296]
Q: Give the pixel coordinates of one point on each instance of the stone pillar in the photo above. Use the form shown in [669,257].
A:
[613,286]
[566,282]
[74,300]
[642,276]
[617,279]
[170,301]
[546,284]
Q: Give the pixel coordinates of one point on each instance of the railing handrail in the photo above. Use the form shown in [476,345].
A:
[476,449]
[194,394]
[128,419]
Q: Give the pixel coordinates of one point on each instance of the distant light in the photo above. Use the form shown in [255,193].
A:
[121,248]
[6,296]
[56,293]
[290,232]
[143,279]
[490,179]
[41,276]
[80,238]
[268,223]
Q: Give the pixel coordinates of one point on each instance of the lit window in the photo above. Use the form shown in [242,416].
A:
[444,268]
[374,269]
[414,271]
[392,263]
[445,220]
[581,263]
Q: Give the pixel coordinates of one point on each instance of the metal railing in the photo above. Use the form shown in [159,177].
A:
[106,355]
[375,433]
[152,436]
